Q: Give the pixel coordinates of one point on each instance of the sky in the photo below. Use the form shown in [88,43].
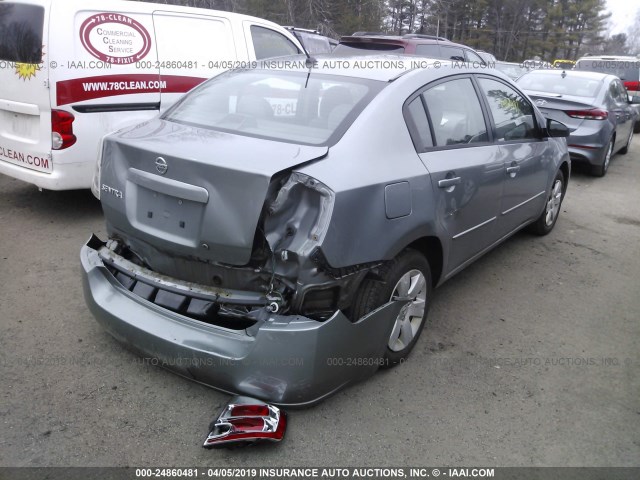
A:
[623,13]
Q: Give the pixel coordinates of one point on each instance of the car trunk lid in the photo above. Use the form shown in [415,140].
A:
[556,106]
[192,192]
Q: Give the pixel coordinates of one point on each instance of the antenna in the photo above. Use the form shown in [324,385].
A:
[310,60]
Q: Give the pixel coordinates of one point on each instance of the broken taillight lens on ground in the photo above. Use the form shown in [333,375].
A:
[246,421]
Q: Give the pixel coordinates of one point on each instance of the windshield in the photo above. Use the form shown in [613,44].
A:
[569,85]
[287,106]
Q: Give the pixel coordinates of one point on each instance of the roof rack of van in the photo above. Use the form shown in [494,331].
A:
[428,37]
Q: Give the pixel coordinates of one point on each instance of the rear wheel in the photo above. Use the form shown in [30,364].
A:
[547,220]
[628,145]
[601,170]
[408,275]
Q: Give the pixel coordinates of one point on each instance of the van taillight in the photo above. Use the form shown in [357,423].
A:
[62,130]
[632,86]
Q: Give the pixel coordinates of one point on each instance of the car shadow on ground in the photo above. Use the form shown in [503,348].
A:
[74,206]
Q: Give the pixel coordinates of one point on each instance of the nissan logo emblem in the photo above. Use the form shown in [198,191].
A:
[541,102]
[161,165]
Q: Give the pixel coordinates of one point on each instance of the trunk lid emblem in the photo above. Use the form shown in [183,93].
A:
[161,165]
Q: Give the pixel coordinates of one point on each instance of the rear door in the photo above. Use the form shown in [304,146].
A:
[25,110]
[191,49]
[623,112]
[465,167]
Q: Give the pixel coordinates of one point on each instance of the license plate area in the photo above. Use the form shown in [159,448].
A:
[173,218]
[19,126]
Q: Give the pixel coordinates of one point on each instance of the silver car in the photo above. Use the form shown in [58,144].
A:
[595,107]
[278,233]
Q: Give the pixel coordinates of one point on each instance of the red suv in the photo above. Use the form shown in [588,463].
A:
[424,45]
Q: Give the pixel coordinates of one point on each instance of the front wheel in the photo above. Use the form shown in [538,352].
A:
[406,276]
[547,220]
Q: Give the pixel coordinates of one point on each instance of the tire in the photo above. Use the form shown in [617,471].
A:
[636,128]
[397,278]
[547,219]
[601,170]
[629,140]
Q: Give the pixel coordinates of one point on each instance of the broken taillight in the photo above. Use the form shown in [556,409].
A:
[62,129]
[246,420]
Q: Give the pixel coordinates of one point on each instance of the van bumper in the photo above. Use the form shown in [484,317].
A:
[65,176]
[289,360]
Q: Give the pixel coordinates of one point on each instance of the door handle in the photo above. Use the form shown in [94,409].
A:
[449,182]
[511,171]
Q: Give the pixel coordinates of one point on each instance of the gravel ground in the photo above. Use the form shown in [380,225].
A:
[530,357]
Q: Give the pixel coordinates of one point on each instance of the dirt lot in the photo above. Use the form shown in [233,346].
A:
[530,356]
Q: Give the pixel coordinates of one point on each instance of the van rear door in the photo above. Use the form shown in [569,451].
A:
[206,47]
[25,110]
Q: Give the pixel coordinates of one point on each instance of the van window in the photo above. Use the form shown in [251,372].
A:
[627,70]
[473,57]
[428,50]
[21,32]
[452,53]
[269,43]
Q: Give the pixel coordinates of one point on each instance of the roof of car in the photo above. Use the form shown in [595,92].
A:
[572,73]
[610,57]
[379,67]
[414,38]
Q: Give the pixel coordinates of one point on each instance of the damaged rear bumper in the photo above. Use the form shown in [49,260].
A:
[288,360]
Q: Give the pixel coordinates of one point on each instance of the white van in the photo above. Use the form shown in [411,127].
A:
[72,71]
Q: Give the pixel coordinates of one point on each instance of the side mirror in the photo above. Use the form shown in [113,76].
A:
[557,129]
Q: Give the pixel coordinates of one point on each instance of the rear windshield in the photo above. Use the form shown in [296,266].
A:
[314,43]
[367,48]
[544,82]
[286,106]
[628,70]
[21,32]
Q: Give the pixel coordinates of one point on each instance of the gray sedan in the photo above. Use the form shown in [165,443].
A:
[595,107]
[278,232]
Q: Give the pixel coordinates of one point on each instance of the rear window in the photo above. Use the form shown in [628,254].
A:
[269,43]
[628,70]
[544,82]
[287,106]
[367,48]
[21,32]
[314,43]
[428,50]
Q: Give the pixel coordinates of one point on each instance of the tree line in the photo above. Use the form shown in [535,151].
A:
[512,30]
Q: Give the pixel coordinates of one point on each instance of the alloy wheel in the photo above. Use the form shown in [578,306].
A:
[414,286]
